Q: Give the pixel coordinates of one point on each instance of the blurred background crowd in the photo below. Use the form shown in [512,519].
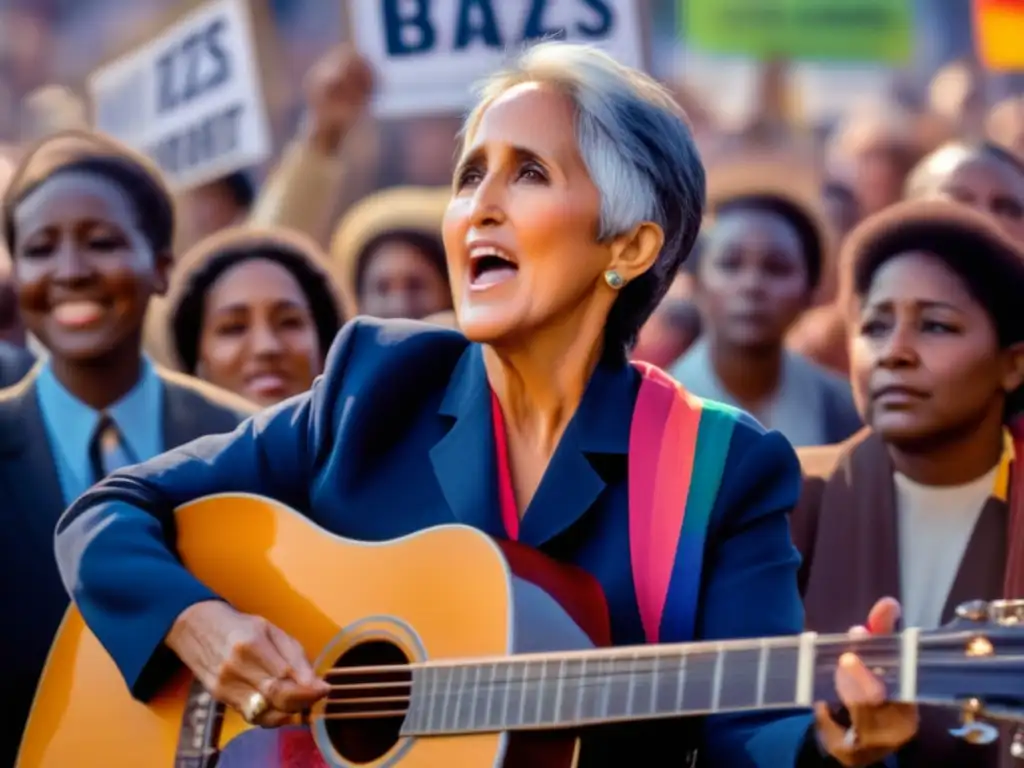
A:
[839,137]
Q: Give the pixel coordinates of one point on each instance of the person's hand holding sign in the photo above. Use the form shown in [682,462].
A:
[337,88]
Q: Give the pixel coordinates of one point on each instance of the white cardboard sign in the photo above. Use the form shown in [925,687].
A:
[428,54]
[190,98]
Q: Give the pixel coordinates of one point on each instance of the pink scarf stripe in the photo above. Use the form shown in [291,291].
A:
[662,443]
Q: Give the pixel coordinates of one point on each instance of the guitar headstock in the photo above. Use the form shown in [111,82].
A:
[976,664]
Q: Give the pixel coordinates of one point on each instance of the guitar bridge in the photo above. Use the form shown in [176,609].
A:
[200,730]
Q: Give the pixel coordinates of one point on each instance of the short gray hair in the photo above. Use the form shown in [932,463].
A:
[638,148]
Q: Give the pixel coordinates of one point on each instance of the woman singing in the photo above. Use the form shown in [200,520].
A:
[578,193]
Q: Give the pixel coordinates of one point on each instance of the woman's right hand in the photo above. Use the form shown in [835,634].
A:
[235,655]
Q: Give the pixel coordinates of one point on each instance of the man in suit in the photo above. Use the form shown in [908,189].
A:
[89,227]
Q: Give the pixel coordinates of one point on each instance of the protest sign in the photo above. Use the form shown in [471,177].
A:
[999,33]
[851,30]
[190,97]
[428,54]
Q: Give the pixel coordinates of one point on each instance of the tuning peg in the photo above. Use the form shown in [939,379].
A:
[1007,613]
[975,610]
[1017,745]
[981,733]
[972,730]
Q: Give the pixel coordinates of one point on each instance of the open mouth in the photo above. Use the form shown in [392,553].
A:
[78,314]
[490,266]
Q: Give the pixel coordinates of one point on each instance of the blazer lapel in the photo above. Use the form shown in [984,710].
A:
[464,459]
[181,424]
[870,495]
[572,483]
[28,474]
[981,571]
[877,496]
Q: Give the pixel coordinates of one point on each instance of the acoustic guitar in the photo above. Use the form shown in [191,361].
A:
[444,649]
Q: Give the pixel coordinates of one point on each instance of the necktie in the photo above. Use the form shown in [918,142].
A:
[107,450]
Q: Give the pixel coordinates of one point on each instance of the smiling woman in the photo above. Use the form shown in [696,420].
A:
[255,312]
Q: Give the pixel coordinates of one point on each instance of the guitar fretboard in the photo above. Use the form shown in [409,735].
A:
[648,682]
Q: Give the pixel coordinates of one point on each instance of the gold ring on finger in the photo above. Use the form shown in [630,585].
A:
[255,707]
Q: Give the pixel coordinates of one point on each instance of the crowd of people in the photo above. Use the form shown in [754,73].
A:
[861,307]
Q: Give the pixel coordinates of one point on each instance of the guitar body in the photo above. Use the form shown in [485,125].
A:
[448,592]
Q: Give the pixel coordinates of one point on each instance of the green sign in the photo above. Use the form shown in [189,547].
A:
[857,30]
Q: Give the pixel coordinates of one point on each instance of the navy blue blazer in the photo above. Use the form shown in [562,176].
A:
[397,436]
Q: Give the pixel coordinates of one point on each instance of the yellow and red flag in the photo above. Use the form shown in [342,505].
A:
[999,33]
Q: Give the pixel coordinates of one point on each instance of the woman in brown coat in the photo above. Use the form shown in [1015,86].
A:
[922,504]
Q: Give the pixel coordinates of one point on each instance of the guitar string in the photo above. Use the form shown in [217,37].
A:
[623,667]
[668,672]
[626,666]
[528,685]
[444,699]
[822,643]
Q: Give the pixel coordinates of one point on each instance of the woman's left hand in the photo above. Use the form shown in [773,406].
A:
[878,727]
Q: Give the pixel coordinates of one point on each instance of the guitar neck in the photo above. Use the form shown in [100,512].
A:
[565,690]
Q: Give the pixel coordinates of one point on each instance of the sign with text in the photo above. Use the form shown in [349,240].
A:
[999,33]
[428,54]
[190,98]
[850,30]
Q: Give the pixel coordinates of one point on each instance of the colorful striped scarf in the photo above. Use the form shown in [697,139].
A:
[678,446]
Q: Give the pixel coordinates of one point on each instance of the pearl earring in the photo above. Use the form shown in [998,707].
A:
[614,279]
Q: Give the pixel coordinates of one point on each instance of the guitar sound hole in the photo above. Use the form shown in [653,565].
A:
[365,711]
